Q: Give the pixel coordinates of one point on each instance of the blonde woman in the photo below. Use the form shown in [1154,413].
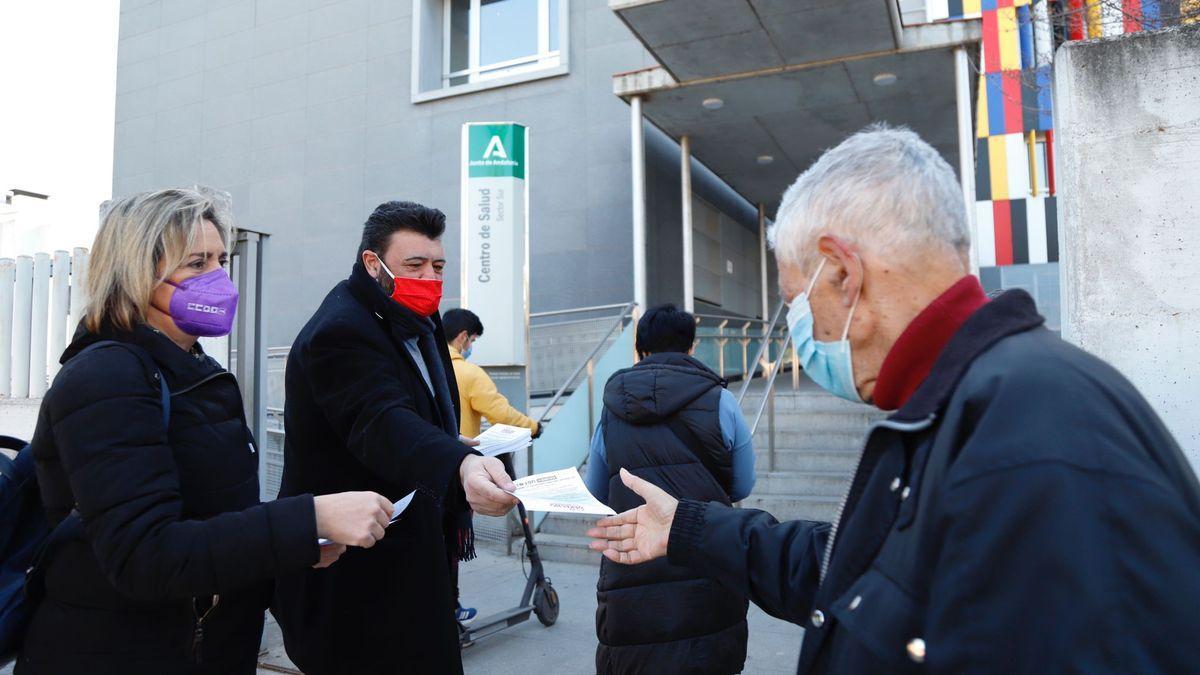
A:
[162,557]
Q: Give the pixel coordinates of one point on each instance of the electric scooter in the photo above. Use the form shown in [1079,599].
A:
[539,597]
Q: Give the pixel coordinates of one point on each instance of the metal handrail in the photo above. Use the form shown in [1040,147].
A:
[762,349]
[626,309]
[730,317]
[579,310]
[588,363]
[770,389]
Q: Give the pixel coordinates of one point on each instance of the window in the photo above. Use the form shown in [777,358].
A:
[1039,180]
[487,39]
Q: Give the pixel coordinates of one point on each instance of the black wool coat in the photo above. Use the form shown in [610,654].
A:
[359,416]
[1025,511]
[165,522]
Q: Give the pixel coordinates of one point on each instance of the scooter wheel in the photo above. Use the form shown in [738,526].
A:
[545,604]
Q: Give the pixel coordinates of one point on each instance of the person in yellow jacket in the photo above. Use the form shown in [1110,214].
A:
[477,397]
[477,393]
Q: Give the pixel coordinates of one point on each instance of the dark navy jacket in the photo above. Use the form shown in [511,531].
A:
[658,618]
[170,517]
[1025,511]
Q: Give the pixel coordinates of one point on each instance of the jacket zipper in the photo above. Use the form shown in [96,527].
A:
[198,630]
[205,380]
[837,521]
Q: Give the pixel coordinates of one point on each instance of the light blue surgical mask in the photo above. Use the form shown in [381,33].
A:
[826,363]
[466,353]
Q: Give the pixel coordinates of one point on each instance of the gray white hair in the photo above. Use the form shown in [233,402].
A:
[884,189]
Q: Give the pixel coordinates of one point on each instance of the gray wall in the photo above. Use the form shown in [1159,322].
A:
[302,110]
[1127,116]
[664,237]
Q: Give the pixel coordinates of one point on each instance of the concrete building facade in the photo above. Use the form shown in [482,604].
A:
[310,113]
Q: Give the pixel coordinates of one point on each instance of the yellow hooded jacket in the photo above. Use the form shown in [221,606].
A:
[479,398]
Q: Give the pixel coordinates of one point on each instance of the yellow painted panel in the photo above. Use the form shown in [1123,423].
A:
[1189,11]
[1094,14]
[1010,38]
[998,154]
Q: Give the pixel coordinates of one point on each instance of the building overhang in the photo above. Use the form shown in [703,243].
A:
[855,63]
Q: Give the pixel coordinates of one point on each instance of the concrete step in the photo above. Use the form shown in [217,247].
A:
[791,507]
[816,422]
[566,548]
[802,483]
[567,523]
[796,439]
[840,460]
[810,400]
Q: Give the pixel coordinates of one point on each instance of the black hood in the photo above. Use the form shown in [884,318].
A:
[659,386]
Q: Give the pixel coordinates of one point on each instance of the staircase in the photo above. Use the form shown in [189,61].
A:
[818,438]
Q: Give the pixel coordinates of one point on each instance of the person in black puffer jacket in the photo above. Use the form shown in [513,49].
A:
[669,420]
[162,556]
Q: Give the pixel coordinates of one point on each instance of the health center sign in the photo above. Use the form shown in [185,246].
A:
[495,224]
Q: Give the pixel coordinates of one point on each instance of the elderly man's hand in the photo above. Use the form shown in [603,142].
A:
[638,535]
[485,482]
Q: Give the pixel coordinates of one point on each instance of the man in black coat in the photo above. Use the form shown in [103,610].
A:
[1023,510]
[372,404]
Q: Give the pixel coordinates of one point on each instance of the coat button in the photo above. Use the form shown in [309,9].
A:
[818,619]
[895,484]
[905,493]
[855,602]
[916,650]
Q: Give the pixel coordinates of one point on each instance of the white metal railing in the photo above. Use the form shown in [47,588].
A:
[785,353]
[41,301]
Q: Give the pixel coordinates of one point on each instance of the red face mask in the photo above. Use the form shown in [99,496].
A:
[422,296]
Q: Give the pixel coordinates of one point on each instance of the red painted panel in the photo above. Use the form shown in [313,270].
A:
[1002,226]
[1075,19]
[1010,83]
[1132,13]
[1050,161]
[991,42]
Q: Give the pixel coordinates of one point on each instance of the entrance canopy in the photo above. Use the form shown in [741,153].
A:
[761,87]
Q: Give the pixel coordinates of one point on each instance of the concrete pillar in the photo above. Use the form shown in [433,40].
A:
[22,323]
[8,275]
[685,176]
[60,311]
[966,147]
[638,160]
[39,325]
[762,260]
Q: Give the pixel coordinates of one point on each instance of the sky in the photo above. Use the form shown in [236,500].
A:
[57,100]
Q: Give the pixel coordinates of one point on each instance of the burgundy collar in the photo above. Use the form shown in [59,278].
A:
[911,359]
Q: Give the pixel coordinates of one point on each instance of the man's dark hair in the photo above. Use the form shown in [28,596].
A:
[391,217]
[665,328]
[457,320]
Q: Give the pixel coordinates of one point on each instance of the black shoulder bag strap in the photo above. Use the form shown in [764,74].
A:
[73,524]
[692,442]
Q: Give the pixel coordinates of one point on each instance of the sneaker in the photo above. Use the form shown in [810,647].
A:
[464,615]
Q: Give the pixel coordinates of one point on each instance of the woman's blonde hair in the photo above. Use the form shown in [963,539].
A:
[140,235]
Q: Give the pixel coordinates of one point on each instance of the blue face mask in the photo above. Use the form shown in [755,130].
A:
[826,363]
[466,353]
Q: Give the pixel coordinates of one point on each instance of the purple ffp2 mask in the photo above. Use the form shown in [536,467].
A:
[205,305]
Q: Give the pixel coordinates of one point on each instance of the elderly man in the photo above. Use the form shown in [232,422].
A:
[1023,510]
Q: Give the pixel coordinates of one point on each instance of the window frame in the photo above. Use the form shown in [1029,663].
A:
[545,58]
